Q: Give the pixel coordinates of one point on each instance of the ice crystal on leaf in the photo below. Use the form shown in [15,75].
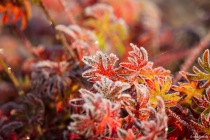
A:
[111,90]
[153,129]
[102,64]
[99,118]
[142,95]
[138,59]
[148,72]
[199,74]
[137,87]
[141,98]
[156,128]
[139,68]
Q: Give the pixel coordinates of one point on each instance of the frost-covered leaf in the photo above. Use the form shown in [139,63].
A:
[156,128]
[100,116]
[110,89]
[101,64]
[82,125]
[150,73]
[137,60]
[131,71]
[200,75]
[205,118]
[141,98]
[153,128]
[204,101]
[142,95]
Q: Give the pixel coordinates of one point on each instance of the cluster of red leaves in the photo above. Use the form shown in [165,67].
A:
[128,100]
[149,107]
[101,117]
[126,87]
[15,10]
[138,69]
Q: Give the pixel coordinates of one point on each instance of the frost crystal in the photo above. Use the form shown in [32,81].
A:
[110,89]
[100,116]
[102,64]
[138,59]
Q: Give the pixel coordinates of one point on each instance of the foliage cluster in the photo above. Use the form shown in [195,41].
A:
[83,91]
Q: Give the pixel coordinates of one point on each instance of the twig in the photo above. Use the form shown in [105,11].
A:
[193,54]
[59,36]
[7,69]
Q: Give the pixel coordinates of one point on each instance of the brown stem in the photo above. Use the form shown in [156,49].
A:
[193,54]
[11,75]
[59,35]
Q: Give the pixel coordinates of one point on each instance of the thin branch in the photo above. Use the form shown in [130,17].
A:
[59,36]
[193,54]
[11,75]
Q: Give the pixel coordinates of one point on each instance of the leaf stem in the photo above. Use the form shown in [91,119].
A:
[11,75]
[59,35]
